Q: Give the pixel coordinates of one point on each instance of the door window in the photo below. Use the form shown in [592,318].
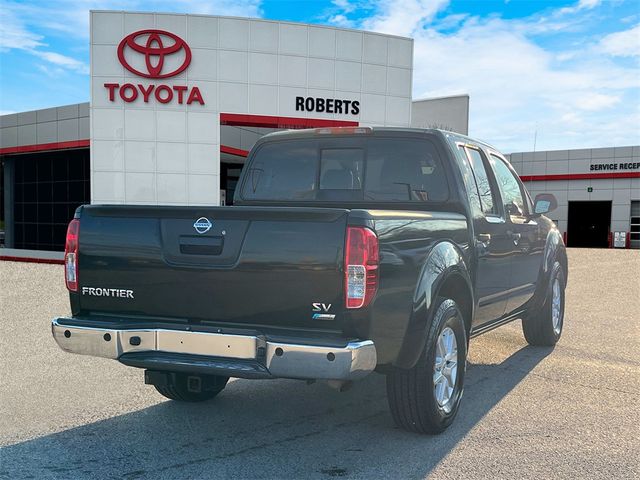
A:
[482,182]
[469,182]
[512,196]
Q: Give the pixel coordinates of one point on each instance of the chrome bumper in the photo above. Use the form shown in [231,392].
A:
[283,360]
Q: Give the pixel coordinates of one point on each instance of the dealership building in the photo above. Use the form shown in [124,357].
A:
[598,192]
[177,101]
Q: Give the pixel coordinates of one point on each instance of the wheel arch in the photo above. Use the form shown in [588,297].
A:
[444,273]
[554,250]
[457,288]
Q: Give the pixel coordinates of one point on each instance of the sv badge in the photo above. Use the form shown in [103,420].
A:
[322,311]
[321,307]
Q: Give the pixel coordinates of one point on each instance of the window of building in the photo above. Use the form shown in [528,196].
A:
[230,173]
[48,189]
[1,203]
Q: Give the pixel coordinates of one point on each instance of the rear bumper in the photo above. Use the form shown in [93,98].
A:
[244,356]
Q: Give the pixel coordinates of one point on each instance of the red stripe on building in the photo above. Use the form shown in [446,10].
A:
[41,147]
[578,176]
[268,121]
[234,151]
[7,258]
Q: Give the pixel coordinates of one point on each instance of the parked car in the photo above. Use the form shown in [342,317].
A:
[348,251]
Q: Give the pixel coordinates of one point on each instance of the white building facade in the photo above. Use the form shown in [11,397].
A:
[163,85]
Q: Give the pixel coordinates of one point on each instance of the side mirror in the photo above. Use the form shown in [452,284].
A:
[544,203]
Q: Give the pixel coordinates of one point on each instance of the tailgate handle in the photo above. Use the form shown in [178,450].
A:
[191,245]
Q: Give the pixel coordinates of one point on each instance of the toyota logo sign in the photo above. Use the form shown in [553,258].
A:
[154,51]
[159,53]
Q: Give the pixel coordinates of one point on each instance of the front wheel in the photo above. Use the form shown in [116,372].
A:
[425,398]
[543,326]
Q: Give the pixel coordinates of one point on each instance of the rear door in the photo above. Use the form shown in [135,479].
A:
[492,243]
[527,242]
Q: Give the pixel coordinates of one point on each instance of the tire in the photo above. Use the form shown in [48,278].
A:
[543,326]
[207,387]
[416,403]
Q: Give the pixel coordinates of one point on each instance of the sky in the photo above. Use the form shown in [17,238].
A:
[544,74]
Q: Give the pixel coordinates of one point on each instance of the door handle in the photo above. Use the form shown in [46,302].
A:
[515,237]
[484,238]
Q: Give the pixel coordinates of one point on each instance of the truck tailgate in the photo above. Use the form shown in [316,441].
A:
[255,265]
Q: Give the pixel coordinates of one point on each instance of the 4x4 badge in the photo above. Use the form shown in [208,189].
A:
[202,225]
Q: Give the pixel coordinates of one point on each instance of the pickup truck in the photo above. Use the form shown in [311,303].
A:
[348,251]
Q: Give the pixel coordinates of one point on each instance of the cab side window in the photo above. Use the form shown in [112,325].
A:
[469,181]
[483,185]
[512,197]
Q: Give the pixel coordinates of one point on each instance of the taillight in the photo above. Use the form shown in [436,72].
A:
[71,256]
[360,267]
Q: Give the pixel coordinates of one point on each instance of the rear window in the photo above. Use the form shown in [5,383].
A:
[373,169]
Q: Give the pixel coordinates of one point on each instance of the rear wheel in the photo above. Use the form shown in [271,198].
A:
[186,387]
[543,326]
[425,398]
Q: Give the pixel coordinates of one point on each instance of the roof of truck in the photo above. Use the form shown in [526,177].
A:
[311,132]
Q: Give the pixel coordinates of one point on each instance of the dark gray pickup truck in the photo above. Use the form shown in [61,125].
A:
[348,250]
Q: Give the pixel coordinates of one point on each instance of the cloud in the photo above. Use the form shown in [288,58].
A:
[13,34]
[237,8]
[598,101]
[514,84]
[588,4]
[341,20]
[51,71]
[622,44]
[581,5]
[344,5]
[32,27]
[402,17]
[517,84]
[62,61]
[16,35]
[71,17]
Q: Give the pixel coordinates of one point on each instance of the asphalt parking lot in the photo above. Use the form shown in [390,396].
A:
[568,412]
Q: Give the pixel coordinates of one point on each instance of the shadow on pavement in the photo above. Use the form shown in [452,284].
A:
[265,429]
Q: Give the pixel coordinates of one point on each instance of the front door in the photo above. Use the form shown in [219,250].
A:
[492,243]
[526,243]
[493,249]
